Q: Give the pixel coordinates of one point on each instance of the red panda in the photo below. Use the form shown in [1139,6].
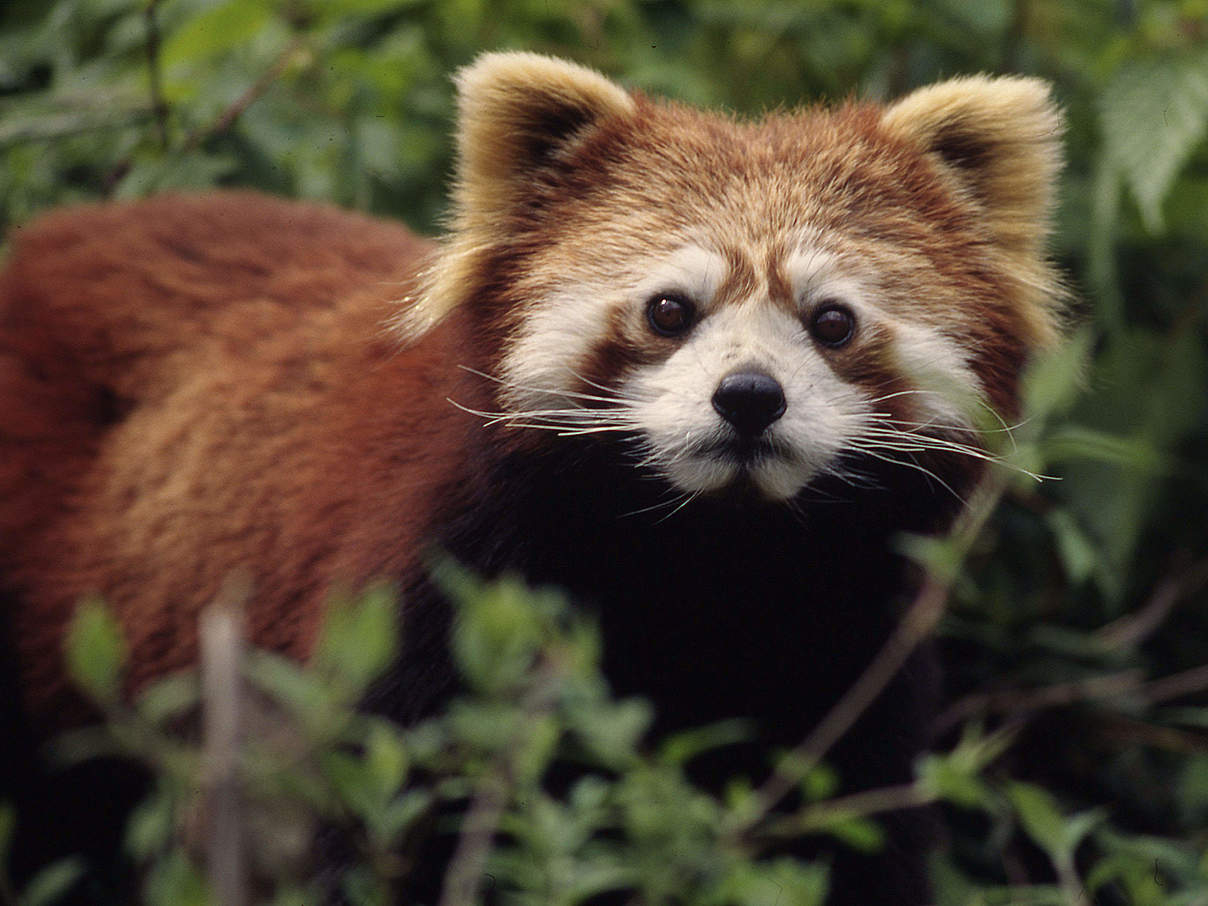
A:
[696,370]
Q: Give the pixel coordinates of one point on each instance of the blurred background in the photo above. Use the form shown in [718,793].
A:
[1082,616]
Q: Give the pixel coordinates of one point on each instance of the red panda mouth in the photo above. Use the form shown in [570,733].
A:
[745,452]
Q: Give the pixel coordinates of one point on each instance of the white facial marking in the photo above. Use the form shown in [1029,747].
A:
[694,446]
[563,327]
[668,405]
[948,390]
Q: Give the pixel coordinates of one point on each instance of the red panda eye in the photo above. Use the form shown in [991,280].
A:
[669,315]
[832,324]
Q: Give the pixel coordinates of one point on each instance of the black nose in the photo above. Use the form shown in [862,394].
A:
[749,400]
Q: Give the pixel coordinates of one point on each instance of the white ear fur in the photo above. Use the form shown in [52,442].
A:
[1000,139]
[515,112]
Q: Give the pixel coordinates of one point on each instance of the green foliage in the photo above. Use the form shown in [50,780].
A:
[95,651]
[47,886]
[1154,115]
[1078,615]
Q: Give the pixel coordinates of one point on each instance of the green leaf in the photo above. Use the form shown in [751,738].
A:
[386,758]
[497,634]
[175,881]
[1043,821]
[941,557]
[352,781]
[358,639]
[858,832]
[1054,380]
[820,782]
[338,10]
[150,826]
[169,698]
[364,888]
[1074,443]
[1079,554]
[181,170]
[778,883]
[682,747]
[1039,813]
[401,813]
[303,693]
[220,29]
[948,778]
[536,748]
[96,652]
[1154,114]
[51,883]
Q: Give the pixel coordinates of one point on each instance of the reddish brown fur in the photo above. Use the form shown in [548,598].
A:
[228,458]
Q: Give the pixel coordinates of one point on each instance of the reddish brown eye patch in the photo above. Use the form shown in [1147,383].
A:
[832,324]
[670,315]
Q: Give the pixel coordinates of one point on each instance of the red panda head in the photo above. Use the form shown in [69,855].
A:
[750,303]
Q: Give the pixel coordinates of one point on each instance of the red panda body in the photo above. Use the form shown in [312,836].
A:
[196,383]
[697,372]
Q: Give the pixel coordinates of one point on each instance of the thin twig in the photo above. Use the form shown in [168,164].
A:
[468,865]
[467,868]
[868,802]
[221,636]
[915,626]
[236,108]
[1129,631]
[1019,702]
[1176,685]
[1125,632]
[158,105]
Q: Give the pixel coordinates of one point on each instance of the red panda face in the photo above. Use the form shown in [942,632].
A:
[752,305]
[721,376]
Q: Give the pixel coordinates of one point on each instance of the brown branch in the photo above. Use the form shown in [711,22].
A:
[464,877]
[158,105]
[1126,632]
[1134,628]
[1019,702]
[915,626]
[868,802]
[221,638]
[1176,685]
[236,108]
[466,869]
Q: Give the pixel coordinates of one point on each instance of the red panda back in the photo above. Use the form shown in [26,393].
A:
[173,384]
[120,288]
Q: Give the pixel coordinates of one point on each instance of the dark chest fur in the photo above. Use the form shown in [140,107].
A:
[719,610]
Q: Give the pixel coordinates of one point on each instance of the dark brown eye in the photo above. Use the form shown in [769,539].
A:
[832,324]
[670,315]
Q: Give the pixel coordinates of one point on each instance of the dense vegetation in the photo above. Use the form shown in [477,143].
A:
[1076,728]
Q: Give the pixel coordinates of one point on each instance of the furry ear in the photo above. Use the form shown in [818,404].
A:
[516,111]
[1000,139]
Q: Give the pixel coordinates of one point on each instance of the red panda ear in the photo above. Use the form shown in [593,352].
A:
[515,110]
[1000,138]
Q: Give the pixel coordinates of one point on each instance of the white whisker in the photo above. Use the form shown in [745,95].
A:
[569,394]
